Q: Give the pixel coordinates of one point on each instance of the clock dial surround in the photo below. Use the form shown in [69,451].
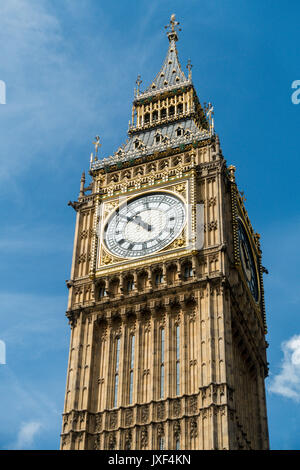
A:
[247,260]
[145,225]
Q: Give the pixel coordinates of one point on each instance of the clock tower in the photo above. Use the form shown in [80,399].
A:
[166,300]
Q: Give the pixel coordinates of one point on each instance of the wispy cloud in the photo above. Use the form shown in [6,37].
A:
[287,381]
[51,93]
[26,435]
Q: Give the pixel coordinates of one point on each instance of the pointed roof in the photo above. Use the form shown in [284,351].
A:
[170,74]
[179,131]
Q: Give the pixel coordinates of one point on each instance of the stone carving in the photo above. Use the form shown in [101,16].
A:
[193,403]
[113,419]
[145,413]
[176,429]
[160,430]
[128,417]
[65,440]
[176,407]
[112,441]
[98,423]
[128,439]
[194,428]
[144,437]
[97,442]
[160,410]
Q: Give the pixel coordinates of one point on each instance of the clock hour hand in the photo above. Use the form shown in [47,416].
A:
[137,220]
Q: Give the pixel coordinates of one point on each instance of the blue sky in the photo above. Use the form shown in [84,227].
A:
[70,68]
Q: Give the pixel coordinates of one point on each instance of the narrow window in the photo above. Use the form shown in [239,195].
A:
[161,443]
[102,291]
[177,444]
[177,361]
[131,369]
[116,372]
[171,111]
[129,285]
[188,271]
[162,359]
[158,278]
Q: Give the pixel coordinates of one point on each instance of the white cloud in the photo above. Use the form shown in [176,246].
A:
[26,435]
[287,382]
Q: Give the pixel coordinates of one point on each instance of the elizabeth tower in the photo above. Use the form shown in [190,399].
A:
[166,300]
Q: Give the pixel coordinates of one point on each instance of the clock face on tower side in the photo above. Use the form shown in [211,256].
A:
[247,260]
[144,225]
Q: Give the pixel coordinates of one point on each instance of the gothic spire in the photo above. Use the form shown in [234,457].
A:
[170,74]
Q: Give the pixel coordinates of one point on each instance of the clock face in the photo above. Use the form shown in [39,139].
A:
[247,260]
[145,225]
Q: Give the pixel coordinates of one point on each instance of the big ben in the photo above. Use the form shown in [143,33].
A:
[166,301]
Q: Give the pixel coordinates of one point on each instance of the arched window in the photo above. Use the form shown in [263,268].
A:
[114,287]
[155,116]
[171,111]
[142,281]
[157,138]
[101,290]
[187,271]
[158,277]
[179,131]
[129,285]
[171,274]
[163,113]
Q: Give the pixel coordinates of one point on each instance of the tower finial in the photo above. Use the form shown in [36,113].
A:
[138,83]
[189,67]
[97,145]
[173,27]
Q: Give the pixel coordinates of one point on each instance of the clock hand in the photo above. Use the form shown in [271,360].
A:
[143,224]
[137,220]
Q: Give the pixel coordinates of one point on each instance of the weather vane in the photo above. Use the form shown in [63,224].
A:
[173,27]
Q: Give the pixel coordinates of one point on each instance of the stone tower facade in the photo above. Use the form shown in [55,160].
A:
[166,301]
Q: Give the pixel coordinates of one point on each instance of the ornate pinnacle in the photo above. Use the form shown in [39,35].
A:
[209,114]
[138,83]
[173,27]
[189,67]
[231,171]
[97,145]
